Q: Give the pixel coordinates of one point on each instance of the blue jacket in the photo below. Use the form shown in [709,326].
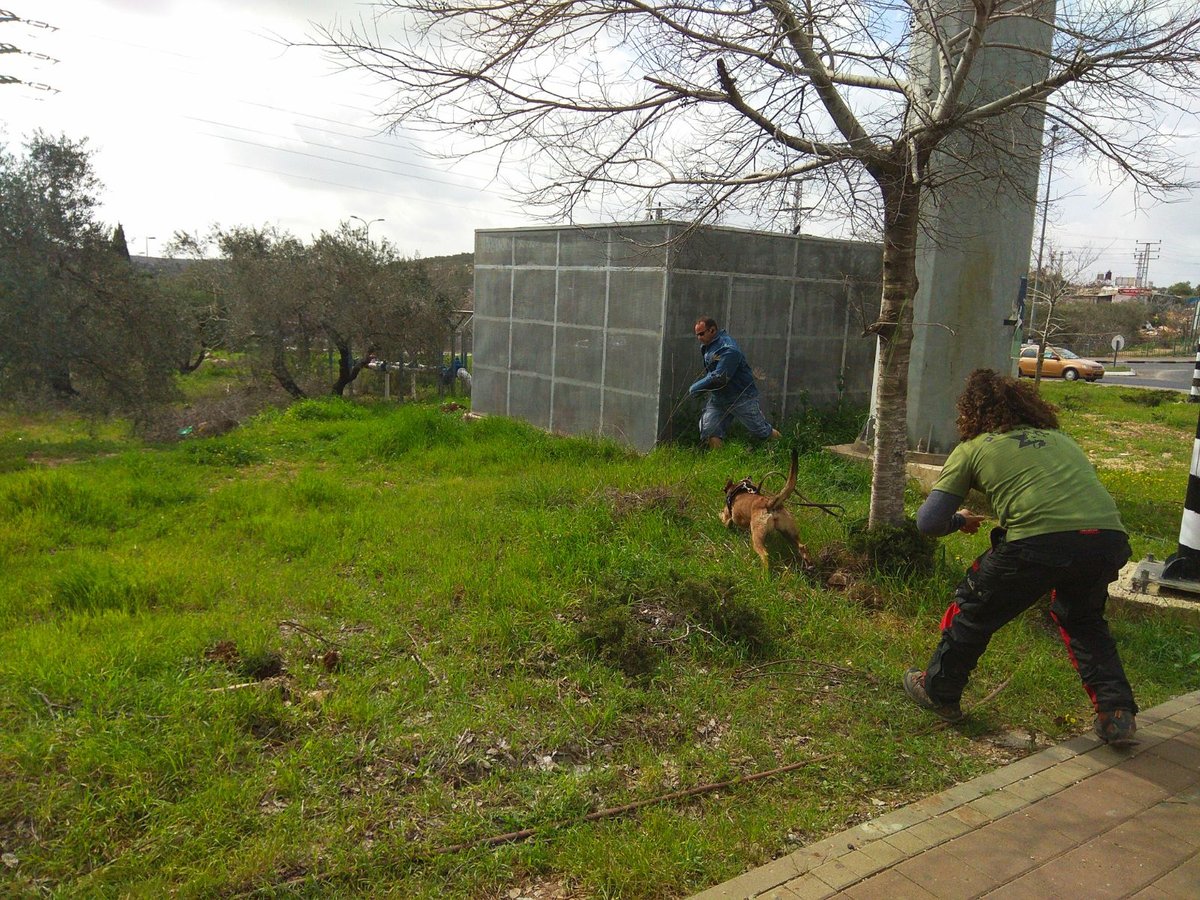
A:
[727,374]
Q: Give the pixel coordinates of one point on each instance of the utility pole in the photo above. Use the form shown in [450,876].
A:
[1143,257]
[1037,273]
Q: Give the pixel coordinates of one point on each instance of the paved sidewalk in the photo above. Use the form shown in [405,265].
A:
[1077,820]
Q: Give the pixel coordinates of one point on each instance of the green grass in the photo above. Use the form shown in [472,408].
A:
[306,655]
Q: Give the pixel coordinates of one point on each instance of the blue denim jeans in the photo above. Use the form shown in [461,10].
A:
[716,418]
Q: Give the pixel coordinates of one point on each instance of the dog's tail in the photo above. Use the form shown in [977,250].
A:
[779,500]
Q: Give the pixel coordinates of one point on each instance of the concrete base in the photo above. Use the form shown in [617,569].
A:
[923,467]
[1142,581]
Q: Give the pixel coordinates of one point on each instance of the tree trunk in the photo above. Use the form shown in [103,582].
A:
[894,329]
[280,370]
[348,369]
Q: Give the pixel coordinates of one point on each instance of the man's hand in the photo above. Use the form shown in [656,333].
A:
[971,522]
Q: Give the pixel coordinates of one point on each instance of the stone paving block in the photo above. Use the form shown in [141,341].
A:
[806,888]
[970,816]
[883,853]
[946,873]
[1058,753]
[1030,765]
[1182,881]
[1095,803]
[1064,814]
[1180,753]
[1189,717]
[859,862]
[836,874]
[1010,847]
[889,885]
[997,804]
[909,842]
[1115,864]
[1164,773]
[1120,782]
[753,882]
[1177,818]
[1095,763]
[1067,773]
[1034,788]
[1153,893]
[992,781]
[1083,743]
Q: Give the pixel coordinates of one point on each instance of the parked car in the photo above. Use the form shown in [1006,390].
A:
[1059,363]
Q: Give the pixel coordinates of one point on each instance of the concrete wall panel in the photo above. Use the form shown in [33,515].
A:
[493,290]
[489,390]
[581,296]
[638,247]
[493,248]
[533,294]
[630,419]
[632,362]
[583,247]
[535,247]
[579,353]
[531,346]
[576,408]
[491,342]
[529,399]
[635,299]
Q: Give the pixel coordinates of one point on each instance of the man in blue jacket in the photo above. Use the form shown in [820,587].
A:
[729,382]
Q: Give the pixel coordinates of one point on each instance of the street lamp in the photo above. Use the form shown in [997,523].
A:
[366,225]
[148,240]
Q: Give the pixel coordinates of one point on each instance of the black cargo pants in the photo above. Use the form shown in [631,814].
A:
[1077,567]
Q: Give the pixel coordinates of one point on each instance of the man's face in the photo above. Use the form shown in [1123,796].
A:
[706,334]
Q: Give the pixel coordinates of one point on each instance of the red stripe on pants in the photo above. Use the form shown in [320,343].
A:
[951,611]
[1066,639]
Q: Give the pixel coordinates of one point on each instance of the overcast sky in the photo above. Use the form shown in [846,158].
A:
[199,115]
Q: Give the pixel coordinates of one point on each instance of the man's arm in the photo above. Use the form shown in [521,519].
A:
[727,363]
[939,516]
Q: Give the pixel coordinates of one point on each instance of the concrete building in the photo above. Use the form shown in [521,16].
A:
[588,330]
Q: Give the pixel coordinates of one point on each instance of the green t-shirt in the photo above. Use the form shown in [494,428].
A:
[1037,480]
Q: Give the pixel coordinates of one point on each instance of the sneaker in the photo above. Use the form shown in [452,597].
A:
[1116,728]
[914,686]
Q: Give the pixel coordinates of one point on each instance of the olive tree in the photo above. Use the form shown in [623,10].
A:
[77,322]
[343,294]
[719,108]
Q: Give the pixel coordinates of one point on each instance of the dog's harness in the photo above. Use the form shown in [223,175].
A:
[745,486]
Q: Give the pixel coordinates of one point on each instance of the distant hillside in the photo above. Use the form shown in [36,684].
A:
[454,259]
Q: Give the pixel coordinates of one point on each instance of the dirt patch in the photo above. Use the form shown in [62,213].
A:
[664,499]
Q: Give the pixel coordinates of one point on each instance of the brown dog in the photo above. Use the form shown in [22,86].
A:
[747,507]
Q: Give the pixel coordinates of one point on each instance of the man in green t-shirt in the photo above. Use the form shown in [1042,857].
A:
[1059,532]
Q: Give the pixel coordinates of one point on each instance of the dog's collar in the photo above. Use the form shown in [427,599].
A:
[745,486]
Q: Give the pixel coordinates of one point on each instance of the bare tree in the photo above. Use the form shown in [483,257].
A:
[719,108]
[1065,271]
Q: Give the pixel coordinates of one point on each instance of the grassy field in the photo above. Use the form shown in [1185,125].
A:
[313,655]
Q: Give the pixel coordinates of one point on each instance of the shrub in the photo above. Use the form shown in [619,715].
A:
[893,549]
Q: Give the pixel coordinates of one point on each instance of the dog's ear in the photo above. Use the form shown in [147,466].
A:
[728,486]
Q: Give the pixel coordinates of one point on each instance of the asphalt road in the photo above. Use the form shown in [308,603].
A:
[1168,375]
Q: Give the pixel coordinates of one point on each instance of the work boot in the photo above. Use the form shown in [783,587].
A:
[775,435]
[1116,728]
[914,686]
[715,443]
